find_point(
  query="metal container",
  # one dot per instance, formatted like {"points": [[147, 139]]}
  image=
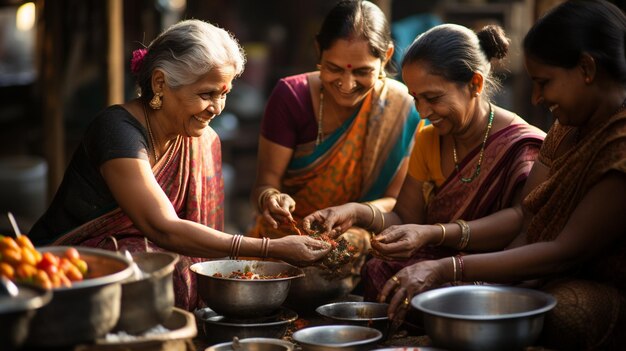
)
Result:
{"points": [[254, 344], [244, 298], [148, 301], [317, 288], [483, 318], [366, 314], [337, 338], [16, 313], [89, 308], [218, 329]]}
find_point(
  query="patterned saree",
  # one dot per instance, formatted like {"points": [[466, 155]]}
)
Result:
{"points": [[508, 158], [190, 174]]}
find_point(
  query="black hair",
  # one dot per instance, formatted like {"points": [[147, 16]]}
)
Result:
{"points": [[356, 19], [595, 27], [456, 53]]}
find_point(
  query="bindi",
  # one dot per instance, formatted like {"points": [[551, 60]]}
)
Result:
{"points": [[349, 65]]}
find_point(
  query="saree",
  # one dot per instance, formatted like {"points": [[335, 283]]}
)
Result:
{"points": [[355, 163], [508, 157], [190, 175], [591, 306]]}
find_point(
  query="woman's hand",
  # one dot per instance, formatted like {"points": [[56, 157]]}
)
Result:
{"points": [[301, 250], [277, 208], [333, 221], [401, 241], [409, 282]]}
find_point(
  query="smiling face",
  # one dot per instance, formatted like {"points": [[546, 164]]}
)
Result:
{"points": [[191, 107], [448, 105], [349, 71], [558, 89]]}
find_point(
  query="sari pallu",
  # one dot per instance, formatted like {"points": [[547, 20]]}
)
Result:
{"points": [[508, 157], [190, 174], [355, 163], [579, 317]]}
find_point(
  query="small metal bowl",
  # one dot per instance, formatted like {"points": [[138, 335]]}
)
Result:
{"points": [[337, 338], [254, 344], [366, 314], [472, 317], [217, 328], [244, 298], [16, 313]]}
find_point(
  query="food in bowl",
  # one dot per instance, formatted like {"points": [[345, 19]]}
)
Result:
{"points": [[249, 274], [244, 298], [22, 263], [474, 317]]}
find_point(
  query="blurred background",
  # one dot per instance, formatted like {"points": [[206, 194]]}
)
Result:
{"points": [[62, 61]]}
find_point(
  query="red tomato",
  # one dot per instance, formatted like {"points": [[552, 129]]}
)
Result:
{"points": [[72, 253], [48, 260]]}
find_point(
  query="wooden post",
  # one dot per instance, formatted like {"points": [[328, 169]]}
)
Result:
{"points": [[115, 55]]}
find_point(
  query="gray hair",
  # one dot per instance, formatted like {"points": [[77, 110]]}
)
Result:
{"points": [[186, 51]]}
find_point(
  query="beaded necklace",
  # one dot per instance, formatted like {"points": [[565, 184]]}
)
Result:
{"points": [[153, 144], [320, 134], [480, 156]]}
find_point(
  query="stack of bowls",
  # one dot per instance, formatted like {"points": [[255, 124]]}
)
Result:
{"points": [[337, 338], [365, 314], [244, 307]]}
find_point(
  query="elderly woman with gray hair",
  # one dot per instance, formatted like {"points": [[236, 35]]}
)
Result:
{"points": [[151, 168]]}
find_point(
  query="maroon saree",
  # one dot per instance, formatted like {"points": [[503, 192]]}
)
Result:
{"points": [[190, 174]]}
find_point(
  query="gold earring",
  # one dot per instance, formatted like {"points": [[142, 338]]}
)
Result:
{"points": [[156, 101], [382, 75]]}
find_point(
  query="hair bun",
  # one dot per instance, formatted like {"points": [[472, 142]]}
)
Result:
{"points": [[493, 41]]}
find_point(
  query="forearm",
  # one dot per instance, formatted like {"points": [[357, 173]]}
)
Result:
{"points": [[372, 215], [490, 233]]}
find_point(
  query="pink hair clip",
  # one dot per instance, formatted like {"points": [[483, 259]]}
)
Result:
{"points": [[137, 60]]}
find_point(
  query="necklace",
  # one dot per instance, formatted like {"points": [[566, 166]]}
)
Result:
{"points": [[153, 144], [480, 156], [320, 134]]}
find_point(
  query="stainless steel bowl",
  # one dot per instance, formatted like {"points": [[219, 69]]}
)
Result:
{"points": [[317, 288], [16, 314], [244, 298], [366, 314], [337, 338], [149, 300], [89, 308], [217, 328], [483, 318], [254, 344]]}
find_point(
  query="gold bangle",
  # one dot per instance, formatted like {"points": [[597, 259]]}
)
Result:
{"points": [[373, 214], [443, 234], [465, 234], [454, 269], [382, 219]]}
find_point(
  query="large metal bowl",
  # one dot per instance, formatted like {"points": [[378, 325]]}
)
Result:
{"points": [[149, 300], [483, 318], [337, 338], [89, 308], [16, 313], [254, 344], [244, 298], [317, 288], [366, 314], [217, 328]]}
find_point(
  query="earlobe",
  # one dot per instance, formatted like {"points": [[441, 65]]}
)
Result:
{"points": [[588, 67]]}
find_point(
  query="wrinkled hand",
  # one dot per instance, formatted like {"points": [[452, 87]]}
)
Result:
{"points": [[407, 283], [333, 221], [277, 208], [399, 241], [301, 250]]}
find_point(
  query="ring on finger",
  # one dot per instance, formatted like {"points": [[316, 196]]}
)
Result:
{"points": [[406, 301], [395, 279]]}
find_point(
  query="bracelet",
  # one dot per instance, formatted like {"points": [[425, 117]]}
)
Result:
{"points": [[443, 234], [465, 234], [235, 245], [373, 214], [265, 247], [454, 269], [263, 195], [461, 266], [382, 218]]}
